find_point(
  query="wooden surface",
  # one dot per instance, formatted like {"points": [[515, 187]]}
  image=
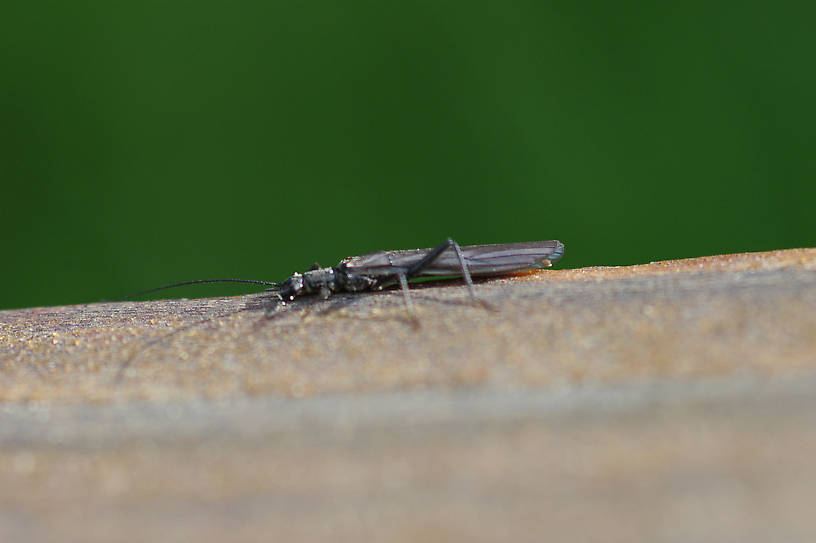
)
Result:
{"points": [[662, 402]]}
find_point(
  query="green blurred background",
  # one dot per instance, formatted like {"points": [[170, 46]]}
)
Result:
{"points": [[151, 142]]}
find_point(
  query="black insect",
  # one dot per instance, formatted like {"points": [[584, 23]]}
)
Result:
{"points": [[375, 271]]}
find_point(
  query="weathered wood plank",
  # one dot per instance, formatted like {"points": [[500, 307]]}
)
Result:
{"points": [[669, 401]]}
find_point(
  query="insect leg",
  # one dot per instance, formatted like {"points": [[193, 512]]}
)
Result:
{"points": [[417, 268], [273, 305], [409, 303]]}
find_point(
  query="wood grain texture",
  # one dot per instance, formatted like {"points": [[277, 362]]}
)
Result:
{"points": [[667, 401]]}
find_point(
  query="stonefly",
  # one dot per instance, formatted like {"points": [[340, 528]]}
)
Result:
{"points": [[377, 270]]}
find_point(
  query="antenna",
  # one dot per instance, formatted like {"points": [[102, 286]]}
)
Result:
{"points": [[197, 281]]}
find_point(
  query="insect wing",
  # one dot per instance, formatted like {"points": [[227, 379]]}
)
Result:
{"points": [[481, 260], [499, 259], [385, 262]]}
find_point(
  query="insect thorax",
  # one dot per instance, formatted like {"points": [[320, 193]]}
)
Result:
{"points": [[320, 281], [352, 281]]}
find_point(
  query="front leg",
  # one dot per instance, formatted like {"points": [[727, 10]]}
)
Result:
{"points": [[273, 305]]}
